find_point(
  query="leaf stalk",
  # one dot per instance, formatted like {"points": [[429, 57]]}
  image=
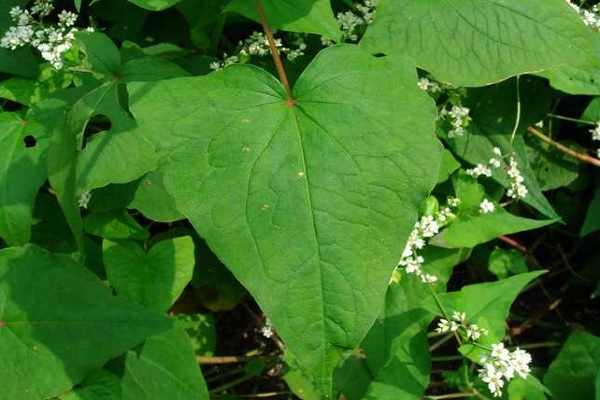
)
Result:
{"points": [[274, 53]]}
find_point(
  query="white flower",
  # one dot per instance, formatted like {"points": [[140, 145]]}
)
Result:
{"points": [[84, 199], [499, 352], [494, 381], [595, 131], [267, 329], [459, 317], [486, 206], [479, 170]]}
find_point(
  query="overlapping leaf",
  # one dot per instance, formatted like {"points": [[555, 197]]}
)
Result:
{"points": [[155, 279], [164, 368], [58, 323], [312, 16], [475, 43], [22, 172], [306, 200]]}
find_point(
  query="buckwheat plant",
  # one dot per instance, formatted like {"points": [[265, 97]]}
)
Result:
{"points": [[353, 23], [258, 45], [517, 187], [51, 40], [426, 227], [498, 364], [452, 115]]}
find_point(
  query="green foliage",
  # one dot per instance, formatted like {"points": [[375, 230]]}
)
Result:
{"points": [[313, 220], [573, 373], [61, 322]]}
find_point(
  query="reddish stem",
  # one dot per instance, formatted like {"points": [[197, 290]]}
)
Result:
{"points": [[274, 53], [513, 243]]}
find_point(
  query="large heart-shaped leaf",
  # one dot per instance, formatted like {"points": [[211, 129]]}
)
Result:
{"points": [[307, 200], [475, 42], [58, 323]]}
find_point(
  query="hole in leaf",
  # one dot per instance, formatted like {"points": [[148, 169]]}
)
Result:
{"points": [[98, 123], [29, 141]]}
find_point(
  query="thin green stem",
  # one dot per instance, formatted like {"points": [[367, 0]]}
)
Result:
{"points": [[581, 121], [518, 116]]}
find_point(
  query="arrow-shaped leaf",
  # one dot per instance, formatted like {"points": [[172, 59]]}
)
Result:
{"points": [[306, 201]]}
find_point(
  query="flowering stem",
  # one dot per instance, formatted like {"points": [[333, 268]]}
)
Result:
{"points": [[580, 156], [274, 53]]}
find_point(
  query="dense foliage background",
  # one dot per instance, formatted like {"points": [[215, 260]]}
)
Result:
{"points": [[313, 199]]}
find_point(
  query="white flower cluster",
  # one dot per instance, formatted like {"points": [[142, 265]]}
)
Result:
{"points": [[517, 188], [486, 207], [589, 16], [52, 41], [431, 87], [458, 323], [257, 45], [84, 199], [500, 364], [350, 22], [458, 117], [503, 365], [425, 228]]}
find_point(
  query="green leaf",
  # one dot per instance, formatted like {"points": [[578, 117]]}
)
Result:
{"points": [[99, 385], [527, 389], [152, 199], [577, 80], [552, 168], [117, 224], [155, 279], [471, 229], [474, 43], [120, 154], [493, 110], [59, 323], [145, 69], [396, 347], [486, 304], [101, 54], [503, 263], [22, 172], [164, 368], [18, 89], [572, 375], [448, 166], [155, 5], [256, 173], [310, 16]]}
